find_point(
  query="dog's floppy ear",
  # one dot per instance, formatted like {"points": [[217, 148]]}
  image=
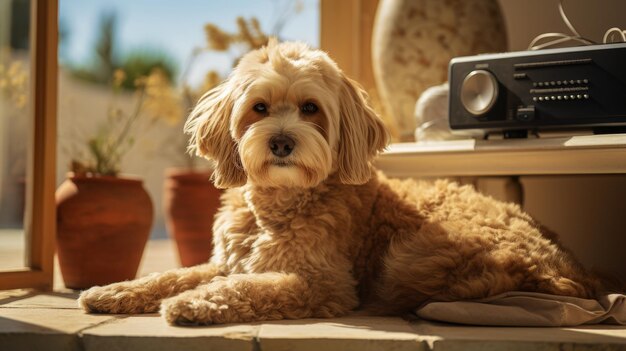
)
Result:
{"points": [[362, 134], [208, 124]]}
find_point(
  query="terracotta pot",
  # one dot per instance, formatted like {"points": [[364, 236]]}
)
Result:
{"points": [[103, 224], [190, 202]]}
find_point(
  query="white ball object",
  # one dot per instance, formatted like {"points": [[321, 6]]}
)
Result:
{"points": [[431, 117]]}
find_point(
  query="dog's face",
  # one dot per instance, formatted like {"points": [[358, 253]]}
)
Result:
{"points": [[286, 117]]}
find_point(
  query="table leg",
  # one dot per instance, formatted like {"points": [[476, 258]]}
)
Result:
{"points": [[508, 188]]}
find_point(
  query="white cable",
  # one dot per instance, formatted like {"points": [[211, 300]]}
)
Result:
{"points": [[607, 35], [560, 37], [566, 20]]}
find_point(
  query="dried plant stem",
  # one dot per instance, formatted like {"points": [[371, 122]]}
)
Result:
{"points": [[129, 123]]}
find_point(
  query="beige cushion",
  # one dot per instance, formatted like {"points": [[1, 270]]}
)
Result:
{"points": [[518, 308]]}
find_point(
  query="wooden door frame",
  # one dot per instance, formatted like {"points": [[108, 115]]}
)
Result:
{"points": [[346, 34], [346, 28], [40, 216]]}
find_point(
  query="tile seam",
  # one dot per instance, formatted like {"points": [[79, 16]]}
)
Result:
{"points": [[80, 332]]}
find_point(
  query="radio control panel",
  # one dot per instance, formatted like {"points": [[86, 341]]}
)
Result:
{"points": [[546, 89]]}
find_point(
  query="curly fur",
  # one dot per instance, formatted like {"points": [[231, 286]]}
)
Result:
{"points": [[322, 233]]}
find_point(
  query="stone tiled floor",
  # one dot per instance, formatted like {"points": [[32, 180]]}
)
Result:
{"points": [[52, 321]]}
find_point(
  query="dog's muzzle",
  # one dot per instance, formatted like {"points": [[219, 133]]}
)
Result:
{"points": [[281, 145]]}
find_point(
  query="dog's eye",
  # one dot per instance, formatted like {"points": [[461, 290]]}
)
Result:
{"points": [[260, 108], [309, 108]]}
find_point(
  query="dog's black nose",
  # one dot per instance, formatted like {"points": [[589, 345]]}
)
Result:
{"points": [[281, 145]]}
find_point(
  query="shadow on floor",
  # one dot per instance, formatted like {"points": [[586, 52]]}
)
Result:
{"points": [[32, 293]]}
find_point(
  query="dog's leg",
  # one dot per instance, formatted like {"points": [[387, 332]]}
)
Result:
{"points": [[144, 295], [256, 297], [446, 261]]}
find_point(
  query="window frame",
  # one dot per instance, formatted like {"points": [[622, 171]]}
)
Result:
{"points": [[346, 34], [40, 216], [346, 29]]}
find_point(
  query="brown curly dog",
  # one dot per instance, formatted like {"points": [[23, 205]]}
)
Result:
{"points": [[307, 228]]}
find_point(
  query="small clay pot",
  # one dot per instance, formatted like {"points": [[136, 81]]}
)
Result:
{"points": [[190, 202], [103, 224]]}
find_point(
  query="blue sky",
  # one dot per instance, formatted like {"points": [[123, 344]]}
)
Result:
{"points": [[176, 26]]}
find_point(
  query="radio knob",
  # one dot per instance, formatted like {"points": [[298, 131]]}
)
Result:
{"points": [[479, 92]]}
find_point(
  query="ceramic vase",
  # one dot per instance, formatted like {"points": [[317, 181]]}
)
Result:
{"points": [[414, 40], [103, 224], [190, 202]]}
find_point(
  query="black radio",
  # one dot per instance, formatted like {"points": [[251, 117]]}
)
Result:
{"points": [[580, 87]]}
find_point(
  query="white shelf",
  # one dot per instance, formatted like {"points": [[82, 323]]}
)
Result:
{"points": [[592, 154]]}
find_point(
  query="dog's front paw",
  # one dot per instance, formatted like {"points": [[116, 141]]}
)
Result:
{"points": [[123, 297], [204, 308], [193, 310]]}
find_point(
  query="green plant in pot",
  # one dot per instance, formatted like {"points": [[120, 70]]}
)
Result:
{"points": [[104, 218]]}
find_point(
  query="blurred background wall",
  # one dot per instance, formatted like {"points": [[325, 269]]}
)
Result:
{"points": [[528, 18]]}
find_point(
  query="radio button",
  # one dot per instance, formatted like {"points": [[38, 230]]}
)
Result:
{"points": [[479, 92], [525, 114]]}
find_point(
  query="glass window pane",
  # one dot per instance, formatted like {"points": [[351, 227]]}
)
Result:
{"points": [[15, 130]]}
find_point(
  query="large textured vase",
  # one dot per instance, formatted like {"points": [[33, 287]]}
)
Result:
{"points": [[103, 224], [190, 202], [414, 40]]}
